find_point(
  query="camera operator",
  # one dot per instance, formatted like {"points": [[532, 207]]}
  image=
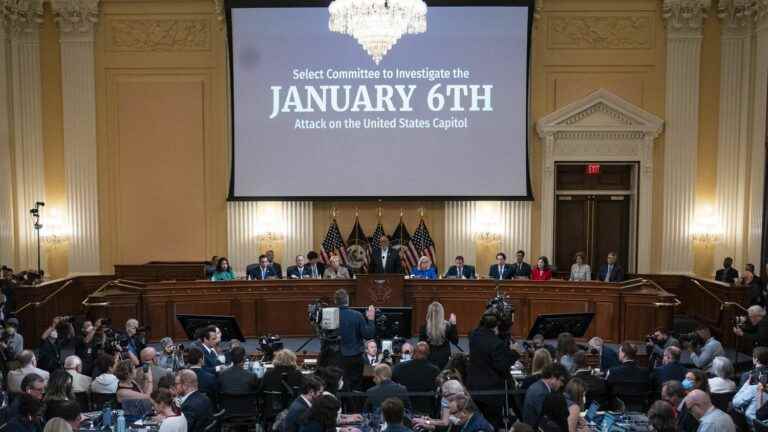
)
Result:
{"points": [[132, 342], [748, 397], [171, 356], [489, 366], [354, 329], [85, 345], [710, 347], [756, 328], [656, 343], [50, 347], [12, 342]]}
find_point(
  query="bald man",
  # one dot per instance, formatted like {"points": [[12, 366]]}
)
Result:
{"points": [[418, 375], [196, 406], [711, 419], [148, 357]]}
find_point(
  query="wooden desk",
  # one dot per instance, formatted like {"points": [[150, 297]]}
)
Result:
{"points": [[623, 311]]}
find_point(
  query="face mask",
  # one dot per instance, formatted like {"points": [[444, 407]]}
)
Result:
{"points": [[10, 330], [405, 357], [53, 335], [687, 384], [341, 384], [454, 420]]}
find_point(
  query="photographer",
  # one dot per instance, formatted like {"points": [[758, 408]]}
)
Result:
{"points": [[353, 330], [12, 342], [50, 347], [489, 365], [710, 347], [170, 355], [747, 399], [656, 343], [85, 345], [132, 343], [756, 328]]}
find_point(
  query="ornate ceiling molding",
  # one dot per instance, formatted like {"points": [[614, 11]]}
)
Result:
{"points": [[21, 15], [685, 15], [76, 15]]}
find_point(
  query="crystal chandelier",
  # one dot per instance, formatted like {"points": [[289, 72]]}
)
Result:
{"points": [[378, 24]]}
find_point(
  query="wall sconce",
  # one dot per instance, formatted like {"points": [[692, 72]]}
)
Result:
{"points": [[486, 224], [706, 229], [56, 231], [269, 224]]}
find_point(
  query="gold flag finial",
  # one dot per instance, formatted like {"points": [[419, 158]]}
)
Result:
{"points": [[333, 212], [357, 212], [402, 212], [421, 212], [379, 213]]}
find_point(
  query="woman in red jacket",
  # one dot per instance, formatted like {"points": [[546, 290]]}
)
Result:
{"points": [[542, 271]]}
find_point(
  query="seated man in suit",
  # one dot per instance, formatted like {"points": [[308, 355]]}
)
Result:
{"points": [[727, 274], [298, 271], [671, 369], [385, 388], [206, 381], [312, 389], [316, 268], [272, 263], [236, 380], [609, 358], [596, 388], [461, 271], [418, 375], [262, 270], [500, 270], [629, 372], [207, 339], [196, 406], [611, 271], [520, 268], [385, 259], [553, 378]]}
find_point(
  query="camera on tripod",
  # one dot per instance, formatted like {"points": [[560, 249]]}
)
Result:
{"points": [[269, 345], [502, 308], [323, 318]]}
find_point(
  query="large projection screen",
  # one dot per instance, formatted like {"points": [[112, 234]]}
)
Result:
{"points": [[443, 116]]}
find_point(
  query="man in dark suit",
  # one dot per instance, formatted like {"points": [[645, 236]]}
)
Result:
{"points": [[609, 358], [461, 271], [520, 268], [596, 388], [385, 259], [385, 388], [500, 270], [236, 380], [316, 268], [196, 406], [418, 375], [755, 329], [208, 338], [611, 271], [727, 274], [262, 270], [629, 372], [671, 369], [489, 365], [272, 263], [354, 328], [298, 271], [206, 381], [553, 378], [673, 393], [311, 389]]}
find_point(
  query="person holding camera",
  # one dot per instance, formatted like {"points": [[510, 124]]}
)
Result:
{"points": [[755, 329], [12, 342], [132, 343], [50, 347], [489, 365], [710, 348], [170, 357], [353, 330], [749, 397], [656, 343]]}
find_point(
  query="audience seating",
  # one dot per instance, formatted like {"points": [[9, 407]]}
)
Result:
{"points": [[722, 400], [634, 395]]}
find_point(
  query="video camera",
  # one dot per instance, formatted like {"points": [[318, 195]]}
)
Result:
{"points": [[270, 344], [691, 339], [502, 308], [759, 376]]}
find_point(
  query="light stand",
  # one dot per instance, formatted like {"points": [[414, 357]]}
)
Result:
{"points": [[35, 212]]}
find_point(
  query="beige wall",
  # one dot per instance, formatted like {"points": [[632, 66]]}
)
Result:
{"points": [[162, 115]]}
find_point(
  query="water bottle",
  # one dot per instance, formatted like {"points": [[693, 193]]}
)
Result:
{"points": [[106, 416], [120, 422]]}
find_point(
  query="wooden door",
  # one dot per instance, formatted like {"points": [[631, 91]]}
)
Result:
{"points": [[571, 229], [611, 229]]}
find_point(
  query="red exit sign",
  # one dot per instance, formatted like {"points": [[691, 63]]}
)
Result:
{"points": [[593, 169]]}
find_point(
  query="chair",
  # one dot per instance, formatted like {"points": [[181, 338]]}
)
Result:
{"points": [[633, 394], [274, 403], [215, 423], [722, 400], [99, 400], [84, 401], [239, 404]]}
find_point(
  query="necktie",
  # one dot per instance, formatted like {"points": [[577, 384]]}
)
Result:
{"points": [[263, 274], [314, 271], [501, 272], [608, 273], [459, 272]]}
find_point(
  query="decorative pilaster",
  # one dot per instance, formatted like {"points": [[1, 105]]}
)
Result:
{"points": [[459, 235], [733, 136], [76, 20], [241, 234], [758, 10], [7, 251], [23, 18], [684, 22], [298, 220]]}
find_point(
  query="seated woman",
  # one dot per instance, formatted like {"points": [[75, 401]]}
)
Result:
{"points": [[168, 414], [575, 397], [223, 271], [58, 391], [580, 271], [542, 271], [424, 270], [566, 348], [541, 359], [723, 370], [285, 370], [448, 390], [105, 381], [134, 399], [335, 270]]}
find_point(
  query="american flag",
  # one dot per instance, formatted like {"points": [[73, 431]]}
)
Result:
{"points": [[358, 237], [400, 241], [334, 244], [421, 243], [378, 233]]}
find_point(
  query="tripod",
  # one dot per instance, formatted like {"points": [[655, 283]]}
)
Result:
{"points": [[35, 212]]}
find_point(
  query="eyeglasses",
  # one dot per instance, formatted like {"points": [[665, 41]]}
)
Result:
{"points": [[406, 352]]}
